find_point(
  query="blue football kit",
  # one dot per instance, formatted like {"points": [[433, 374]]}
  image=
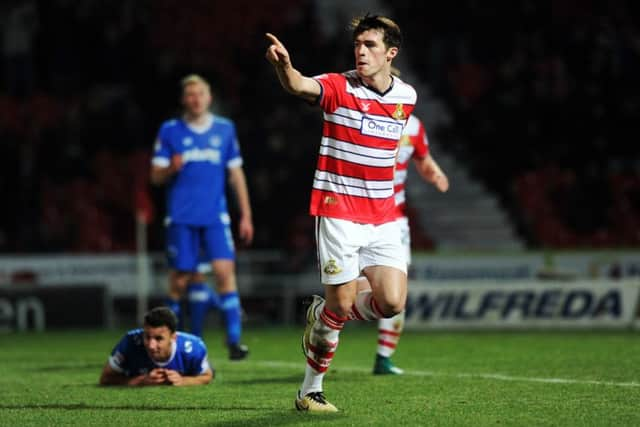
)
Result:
{"points": [[197, 215], [198, 223], [188, 355]]}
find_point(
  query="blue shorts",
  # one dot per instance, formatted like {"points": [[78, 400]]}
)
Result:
{"points": [[188, 245]]}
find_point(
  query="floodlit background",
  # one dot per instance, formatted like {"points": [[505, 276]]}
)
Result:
{"points": [[523, 294], [531, 108]]}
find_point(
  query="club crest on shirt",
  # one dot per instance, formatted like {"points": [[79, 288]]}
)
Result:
{"points": [[365, 106], [330, 200], [399, 113], [187, 141], [215, 141], [331, 267]]}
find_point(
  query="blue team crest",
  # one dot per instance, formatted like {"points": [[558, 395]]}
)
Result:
{"points": [[188, 347], [215, 141], [187, 141]]}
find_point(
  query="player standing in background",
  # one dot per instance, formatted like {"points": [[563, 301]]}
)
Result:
{"points": [[352, 198], [412, 145], [193, 155], [158, 354]]}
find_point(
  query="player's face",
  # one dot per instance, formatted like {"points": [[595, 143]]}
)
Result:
{"points": [[196, 99], [158, 342], [371, 54]]}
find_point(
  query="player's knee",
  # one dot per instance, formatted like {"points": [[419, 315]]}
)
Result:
{"points": [[179, 280], [390, 308], [225, 282]]}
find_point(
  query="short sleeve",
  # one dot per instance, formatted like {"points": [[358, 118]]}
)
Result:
{"points": [[330, 85], [118, 359], [233, 156], [205, 365], [161, 149], [420, 143], [199, 363]]}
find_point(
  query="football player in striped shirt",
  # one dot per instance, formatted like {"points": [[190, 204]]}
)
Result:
{"points": [[413, 145], [352, 198]]}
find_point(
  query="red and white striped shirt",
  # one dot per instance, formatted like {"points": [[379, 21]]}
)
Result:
{"points": [[361, 129], [413, 145]]}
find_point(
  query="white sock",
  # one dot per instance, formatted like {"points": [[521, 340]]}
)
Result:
{"points": [[389, 331], [312, 381], [323, 342], [365, 307]]}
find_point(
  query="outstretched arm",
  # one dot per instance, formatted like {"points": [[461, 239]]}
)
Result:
{"points": [[290, 78], [238, 183], [431, 172]]}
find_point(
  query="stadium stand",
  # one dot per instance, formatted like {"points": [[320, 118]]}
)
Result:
{"points": [[544, 112], [545, 107]]}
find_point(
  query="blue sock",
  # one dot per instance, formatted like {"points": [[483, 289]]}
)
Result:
{"points": [[200, 298], [174, 305], [230, 306]]}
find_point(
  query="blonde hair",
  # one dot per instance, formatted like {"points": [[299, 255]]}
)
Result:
{"points": [[194, 79]]}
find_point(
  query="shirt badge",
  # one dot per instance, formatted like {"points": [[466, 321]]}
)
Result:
{"points": [[399, 113], [331, 267]]}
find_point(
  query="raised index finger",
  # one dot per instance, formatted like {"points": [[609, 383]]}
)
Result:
{"points": [[273, 39]]}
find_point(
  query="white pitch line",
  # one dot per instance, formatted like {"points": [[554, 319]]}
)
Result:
{"points": [[499, 377]]}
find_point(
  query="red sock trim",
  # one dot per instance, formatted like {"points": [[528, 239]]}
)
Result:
{"points": [[316, 366], [356, 313], [325, 355], [387, 343], [388, 332], [333, 316], [330, 322]]}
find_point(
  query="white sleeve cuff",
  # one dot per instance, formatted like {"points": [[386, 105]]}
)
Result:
{"points": [[162, 162], [114, 365], [234, 163]]}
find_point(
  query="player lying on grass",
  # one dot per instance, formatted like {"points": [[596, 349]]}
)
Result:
{"points": [[157, 354]]}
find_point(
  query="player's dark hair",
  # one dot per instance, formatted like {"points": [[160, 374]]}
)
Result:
{"points": [[392, 37], [161, 316]]}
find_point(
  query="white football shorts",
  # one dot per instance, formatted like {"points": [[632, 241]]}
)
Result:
{"points": [[345, 248]]}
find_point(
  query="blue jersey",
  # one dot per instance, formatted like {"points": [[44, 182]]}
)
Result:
{"points": [[196, 194], [188, 355]]}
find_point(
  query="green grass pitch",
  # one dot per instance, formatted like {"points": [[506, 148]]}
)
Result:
{"points": [[452, 379]]}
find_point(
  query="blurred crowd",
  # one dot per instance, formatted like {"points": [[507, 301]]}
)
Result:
{"points": [[544, 97]]}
